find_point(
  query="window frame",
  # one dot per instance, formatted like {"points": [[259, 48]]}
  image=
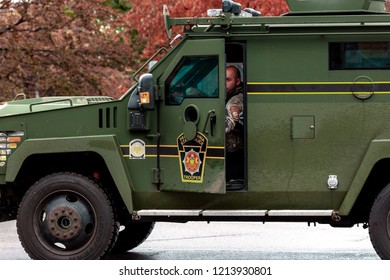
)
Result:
{"points": [[190, 79]]}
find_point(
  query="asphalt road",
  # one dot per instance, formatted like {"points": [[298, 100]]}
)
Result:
{"points": [[232, 241]]}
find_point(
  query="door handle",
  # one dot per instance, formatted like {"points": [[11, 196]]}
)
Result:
{"points": [[213, 121], [212, 118]]}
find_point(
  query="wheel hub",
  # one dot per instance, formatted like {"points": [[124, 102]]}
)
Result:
{"points": [[64, 223]]}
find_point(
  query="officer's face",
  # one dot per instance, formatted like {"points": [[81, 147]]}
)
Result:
{"points": [[231, 79]]}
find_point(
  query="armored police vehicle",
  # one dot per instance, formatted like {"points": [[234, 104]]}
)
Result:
{"points": [[86, 176]]}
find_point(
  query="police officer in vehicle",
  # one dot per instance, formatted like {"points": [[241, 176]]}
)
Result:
{"points": [[234, 127]]}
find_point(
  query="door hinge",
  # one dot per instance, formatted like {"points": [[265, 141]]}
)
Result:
{"points": [[157, 176]]}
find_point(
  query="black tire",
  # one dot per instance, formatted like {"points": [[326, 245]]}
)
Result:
{"points": [[66, 216], [131, 235], [379, 224]]}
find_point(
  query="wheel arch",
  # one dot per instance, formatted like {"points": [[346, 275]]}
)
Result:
{"points": [[371, 177], [98, 157], [377, 180]]}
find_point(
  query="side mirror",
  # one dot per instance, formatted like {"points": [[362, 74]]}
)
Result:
{"points": [[142, 97], [167, 22]]}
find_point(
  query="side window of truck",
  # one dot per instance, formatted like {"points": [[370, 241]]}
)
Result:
{"points": [[359, 55], [193, 77]]}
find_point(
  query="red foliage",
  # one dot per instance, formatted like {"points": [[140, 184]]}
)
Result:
{"points": [[73, 47], [146, 15], [62, 47]]}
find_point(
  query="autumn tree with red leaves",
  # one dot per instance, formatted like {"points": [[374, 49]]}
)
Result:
{"points": [[64, 47], [146, 15], [80, 47], [89, 47]]}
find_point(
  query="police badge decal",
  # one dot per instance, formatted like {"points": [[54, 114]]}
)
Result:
{"points": [[137, 149], [192, 157]]}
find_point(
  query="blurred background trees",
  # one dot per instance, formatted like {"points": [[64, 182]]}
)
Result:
{"points": [[59, 47], [88, 47], [147, 15]]}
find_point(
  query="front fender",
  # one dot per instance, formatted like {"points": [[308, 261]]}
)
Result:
{"points": [[106, 146], [378, 150]]}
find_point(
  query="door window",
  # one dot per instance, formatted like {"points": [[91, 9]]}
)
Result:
{"points": [[193, 77]]}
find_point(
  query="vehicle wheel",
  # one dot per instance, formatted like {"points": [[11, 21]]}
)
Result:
{"points": [[66, 216], [131, 235], [379, 224]]}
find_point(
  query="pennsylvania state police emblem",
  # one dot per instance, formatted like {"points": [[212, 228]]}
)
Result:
{"points": [[137, 149], [192, 157]]}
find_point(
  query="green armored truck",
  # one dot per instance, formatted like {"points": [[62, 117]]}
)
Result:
{"points": [[86, 176]]}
